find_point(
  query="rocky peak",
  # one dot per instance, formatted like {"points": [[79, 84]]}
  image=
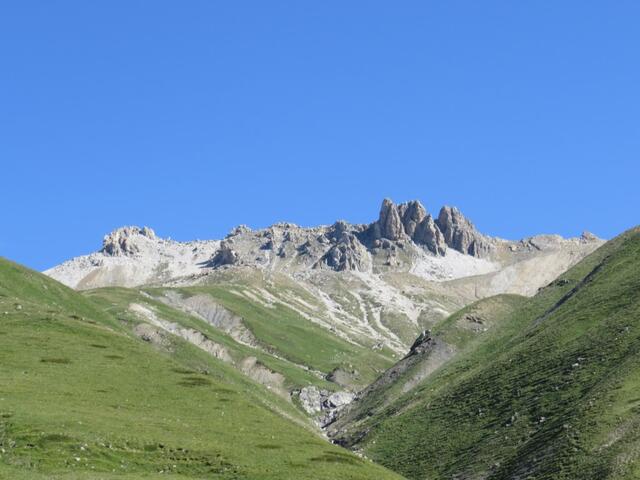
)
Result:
{"points": [[239, 230], [338, 230], [126, 240], [588, 237], [389, 222], [412, 214], [346, 253], [428, 233], [408, 219], [460, 234]]}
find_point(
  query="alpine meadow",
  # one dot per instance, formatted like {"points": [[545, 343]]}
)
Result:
{"points": [[356, 240]]}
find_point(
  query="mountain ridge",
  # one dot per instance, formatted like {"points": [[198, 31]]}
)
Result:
{"points": [[374, 284], [341, 246]]}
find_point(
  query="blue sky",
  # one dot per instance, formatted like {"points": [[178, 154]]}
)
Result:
{"points": [[193, 117]]}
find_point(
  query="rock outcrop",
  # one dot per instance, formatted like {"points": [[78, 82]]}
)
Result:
{"points": [[324, 405], [346, 252], [390, 224], [412, 214], [422, 343], [460, 234], [126, 240], [428, 234], [225, 255], [407, 220]]}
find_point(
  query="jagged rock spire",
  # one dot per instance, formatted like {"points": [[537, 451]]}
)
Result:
{"points": [[412, 213], [460, 234], [410, 220], [427, 233], [343, 246], [389, 222]]}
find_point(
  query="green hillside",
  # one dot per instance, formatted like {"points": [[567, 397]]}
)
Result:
{"points": [[118, 301], [288, 334], [82, 398], [457, 335], [475, 323], [553, 393]]}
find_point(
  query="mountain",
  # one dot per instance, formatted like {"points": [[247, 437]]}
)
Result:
{"points": [[315, 312], [378, 284], [549, 392], [415, 340], [83, 396]]}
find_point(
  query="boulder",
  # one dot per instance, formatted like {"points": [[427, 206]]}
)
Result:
{"points": [[312, 399], [339, 399], [322, 404]]}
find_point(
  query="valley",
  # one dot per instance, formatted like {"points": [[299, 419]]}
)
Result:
{"points": [[414, 342]]}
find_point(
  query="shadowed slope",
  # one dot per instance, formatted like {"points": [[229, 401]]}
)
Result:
{"points": [[455, 336], [552, 395]]}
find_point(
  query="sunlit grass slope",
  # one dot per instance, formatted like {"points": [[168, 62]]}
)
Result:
{"points": [[118, 300], [288, 334], [80, 398], [554, 394]]}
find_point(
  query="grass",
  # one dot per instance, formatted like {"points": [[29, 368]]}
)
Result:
{"points": [[117, 301], [552, 394], [80, 398], [288, 334], [460, 339], [473, 323]]}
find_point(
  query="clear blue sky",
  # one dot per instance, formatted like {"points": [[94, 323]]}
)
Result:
{"points": [[194, 116]]}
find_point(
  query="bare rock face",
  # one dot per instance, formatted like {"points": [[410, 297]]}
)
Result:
{"points": [[412, 214], [348, 247], [312, 398], [404, 239], [225, 255], [427, 233], [322, 403], [389, 222], [347, 253], [409, 219], [460, 234], [239, 230], [422, 344], [126, 241], [588, 237]]}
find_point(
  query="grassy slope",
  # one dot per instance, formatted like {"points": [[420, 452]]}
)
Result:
{"points": [[457, 330], [553, 395], [80, 398], [117, 301], [288, 334], [454, 331]]}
